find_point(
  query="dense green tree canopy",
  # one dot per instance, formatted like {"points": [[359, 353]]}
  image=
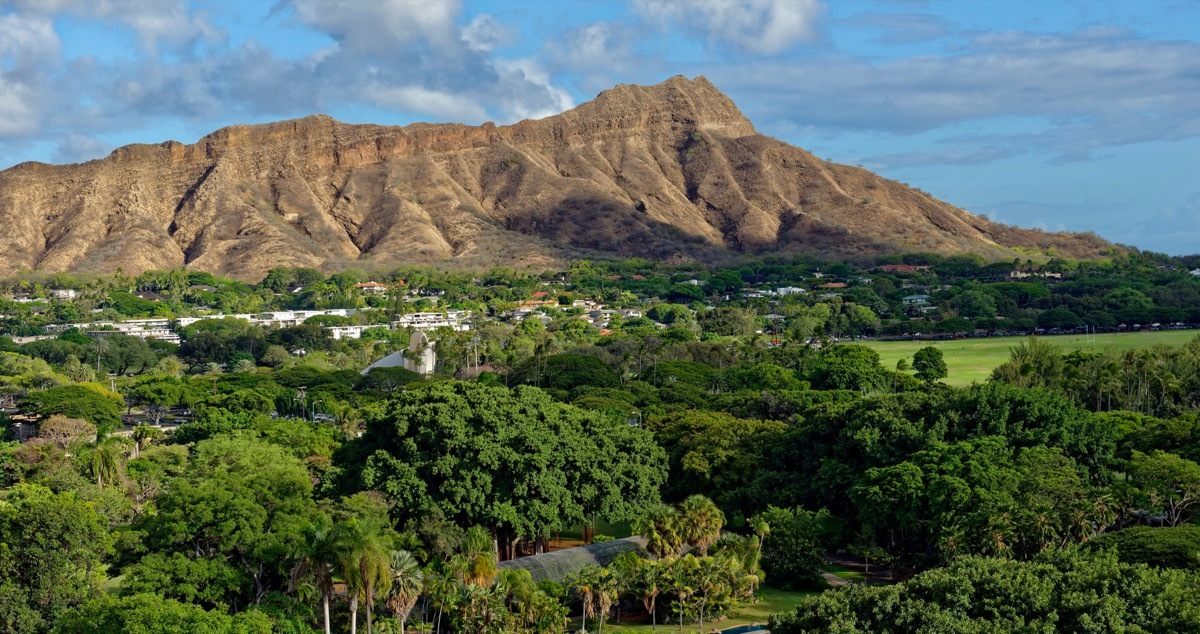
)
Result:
{"points": [[513, 460], [53, 546], [1062, 592], [92, 403]]}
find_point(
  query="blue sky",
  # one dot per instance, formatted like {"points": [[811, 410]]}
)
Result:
{"points": [[1068, 114]]}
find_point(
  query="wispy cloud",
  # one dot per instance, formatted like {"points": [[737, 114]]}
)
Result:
{"points": [[765, 27]]}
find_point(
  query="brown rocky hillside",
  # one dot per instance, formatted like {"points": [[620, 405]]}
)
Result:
{"points": [[667, 171]]}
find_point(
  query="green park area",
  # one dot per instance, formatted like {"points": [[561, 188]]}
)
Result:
{"points": [[972, 360], [770, 601]]}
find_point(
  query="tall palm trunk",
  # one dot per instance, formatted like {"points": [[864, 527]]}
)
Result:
{"points": [[354, 613], [325, 602]]}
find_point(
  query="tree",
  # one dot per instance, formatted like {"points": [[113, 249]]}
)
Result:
{"points": [[63, 431], [796, 553], [143, 435], [1062, 591], [317, 561], [649, 581], [363, 563], [1168, 484], [107, 460], [94, 404], [54, 545], [241, 502], [157, 394], [584, 584], [524, 465], [124, 354], [701, 522], [929, 364], [406, 585], [849, 367], [1033, 363], [660, 525], [149, 614], [680, 576], [1177, 547]]}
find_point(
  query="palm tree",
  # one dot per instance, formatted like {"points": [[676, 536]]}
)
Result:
{"points": [[711, 572], [478, 558], [363, 565], [244, 365], [517, 590], [681, 582], [318, 562], [584, 583], [441, 586], [660, 526], [606, 593], [107, 460], [143, 435], [406, 586], [650, 576], [701, 522], [214, 372]]}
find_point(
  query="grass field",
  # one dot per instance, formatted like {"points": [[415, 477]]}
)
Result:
{"points": [[972, 360], [771, 602]]}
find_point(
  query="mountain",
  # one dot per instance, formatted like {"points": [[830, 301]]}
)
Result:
{"points": [[672, 171]]}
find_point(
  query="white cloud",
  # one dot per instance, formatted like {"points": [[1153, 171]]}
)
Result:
{"points": [[18, 115], [526, 71], [154, 21], [1080, 92], [766, 27], [28, 40], [442, 105], [76, 148], [381, 26], [485, 33]]}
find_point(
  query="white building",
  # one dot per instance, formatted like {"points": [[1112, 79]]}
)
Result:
{"points": [[348, 332], [420, 357], [453, 319]]}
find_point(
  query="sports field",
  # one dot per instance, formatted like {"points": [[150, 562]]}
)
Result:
{"points": [[971, 360]]}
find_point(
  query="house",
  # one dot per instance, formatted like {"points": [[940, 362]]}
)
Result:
{"points": [[148, 295], [1032, 271], [1195, 272], [901, 268], [63, 293], [833, 285], [916, 300], [372, 288], [541, 295], [790, 290]]}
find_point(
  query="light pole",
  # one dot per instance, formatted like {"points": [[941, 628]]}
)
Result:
{"points": [[314, 408]]}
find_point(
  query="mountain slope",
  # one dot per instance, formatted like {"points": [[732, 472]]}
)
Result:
{"points": [[672, 170]]}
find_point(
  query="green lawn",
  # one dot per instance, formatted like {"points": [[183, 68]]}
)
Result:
{"points": [[853, 576], [771, 602], [972, 360]]}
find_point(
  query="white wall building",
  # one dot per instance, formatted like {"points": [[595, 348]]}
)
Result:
{"points": [[453, 319]]}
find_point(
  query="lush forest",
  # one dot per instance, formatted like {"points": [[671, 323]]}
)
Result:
{"points": [[257, 480]]}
